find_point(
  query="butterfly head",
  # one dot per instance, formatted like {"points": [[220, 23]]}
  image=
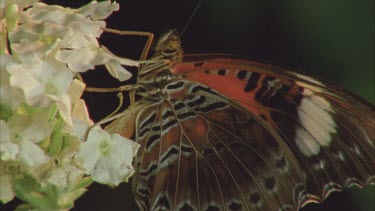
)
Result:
{"points": [[169, 45], [168, 52]]}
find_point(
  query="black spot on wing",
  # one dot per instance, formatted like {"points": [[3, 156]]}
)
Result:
{"points": [[235, 206], [186, 207], [270, 183], [281, 162], [222, 72], [254, 198], [262, 97], [241, 74], [252, 82]]}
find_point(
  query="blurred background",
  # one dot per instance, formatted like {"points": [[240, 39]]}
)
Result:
{"points": [[329, 39]]}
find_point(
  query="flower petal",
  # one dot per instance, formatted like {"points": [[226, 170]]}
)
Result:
{"points": [[8, 149], [99, 10], [31, 154], [6, 189]]}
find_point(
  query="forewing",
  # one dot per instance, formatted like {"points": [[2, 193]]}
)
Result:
{"points": [[330, 131]]}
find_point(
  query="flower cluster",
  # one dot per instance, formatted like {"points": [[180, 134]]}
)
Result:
{"points": [[44, 150]]}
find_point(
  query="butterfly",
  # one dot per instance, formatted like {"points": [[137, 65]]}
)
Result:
{"points": [[224, 133]]}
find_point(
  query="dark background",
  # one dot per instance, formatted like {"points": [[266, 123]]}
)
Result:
{"points": [[330, 39]]}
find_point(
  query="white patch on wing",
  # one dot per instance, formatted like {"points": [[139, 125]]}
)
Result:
{"points": [[315, 116], [306, 143]]}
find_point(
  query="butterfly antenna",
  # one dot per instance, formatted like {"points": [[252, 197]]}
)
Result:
{"points": [[191, 17]]}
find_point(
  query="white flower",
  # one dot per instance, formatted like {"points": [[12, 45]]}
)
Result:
{"points": [[62, 169], [113, 64], [9, 95], [43, 13], [6, 190], [44, 83], [38, 39], [70, 35], [82, 59], [108, 157], [19, 138], [8, 172], [79, 59], [9, 149], [98, 10]]}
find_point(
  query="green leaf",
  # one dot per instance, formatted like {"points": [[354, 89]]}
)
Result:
{"points": [[56, 141], [29, 190], [5, 112]]}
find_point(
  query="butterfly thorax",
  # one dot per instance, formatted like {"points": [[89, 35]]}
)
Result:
{"points": [[154, 77]]}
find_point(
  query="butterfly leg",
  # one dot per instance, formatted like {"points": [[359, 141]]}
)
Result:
{"points": [[150, 38]]}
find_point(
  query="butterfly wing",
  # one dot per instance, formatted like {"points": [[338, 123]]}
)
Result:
{"points": [[268, 139], [200, 151], [330, 131]]}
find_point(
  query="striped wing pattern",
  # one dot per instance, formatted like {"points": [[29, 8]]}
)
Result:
{"points": [[202, 152], [219, 133]]}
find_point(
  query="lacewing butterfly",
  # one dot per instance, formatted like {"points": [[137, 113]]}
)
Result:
{"points": [[223, 133], [220, 132]]}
